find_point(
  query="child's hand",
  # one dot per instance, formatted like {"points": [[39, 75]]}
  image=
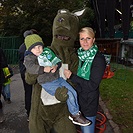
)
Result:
{"points": [[53, 69], [47, 69]]}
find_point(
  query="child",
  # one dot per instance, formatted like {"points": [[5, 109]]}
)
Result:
{"points": [[8, 73], [50, 64]]}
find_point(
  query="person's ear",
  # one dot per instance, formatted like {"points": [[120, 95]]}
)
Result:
{"points": [[93, 40]]}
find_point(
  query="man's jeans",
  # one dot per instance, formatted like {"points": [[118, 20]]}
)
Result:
{"points": [[90, 128]]}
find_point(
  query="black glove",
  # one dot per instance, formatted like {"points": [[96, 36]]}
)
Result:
{"points": [[61, 94]]}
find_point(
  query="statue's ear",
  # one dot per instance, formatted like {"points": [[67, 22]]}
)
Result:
{"points": [[80, 13]]}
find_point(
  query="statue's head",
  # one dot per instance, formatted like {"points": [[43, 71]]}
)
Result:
{"points": [[66, 27]]}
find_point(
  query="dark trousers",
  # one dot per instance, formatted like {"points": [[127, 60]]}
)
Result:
{"points": [[28, 94]]}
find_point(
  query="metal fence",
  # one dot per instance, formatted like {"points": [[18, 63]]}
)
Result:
{"points": [[11, 55], [10, 46]]}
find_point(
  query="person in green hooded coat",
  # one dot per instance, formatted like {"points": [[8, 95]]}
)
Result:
{"points": [[46, 113]]}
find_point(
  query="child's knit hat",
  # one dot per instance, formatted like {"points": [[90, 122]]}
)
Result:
{"points": [[32, 41]]}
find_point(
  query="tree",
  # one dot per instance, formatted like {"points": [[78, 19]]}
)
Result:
{"points": [[20, 15]]}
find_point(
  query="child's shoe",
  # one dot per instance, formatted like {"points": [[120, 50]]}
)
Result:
{"points": [[78, 119], [8, 100]]}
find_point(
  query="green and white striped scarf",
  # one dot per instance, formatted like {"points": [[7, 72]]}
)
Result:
{"points": [[87, 58], [48, 58]]}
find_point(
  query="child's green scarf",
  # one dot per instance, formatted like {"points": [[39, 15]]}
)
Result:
{"points": [[48, 58]]}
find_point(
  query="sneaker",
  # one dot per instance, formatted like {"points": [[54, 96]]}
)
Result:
{"points": [[2, 118], [78, 119], [27, 119], [8, 101]]}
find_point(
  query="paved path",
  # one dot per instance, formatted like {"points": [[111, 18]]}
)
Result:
{"points": [[15, 113]]}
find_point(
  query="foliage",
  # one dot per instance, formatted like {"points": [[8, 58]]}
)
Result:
{"points": [[118, 97], [20, 15]]}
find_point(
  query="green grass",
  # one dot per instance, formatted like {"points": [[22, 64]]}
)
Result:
{"points": [[117, 93]]}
